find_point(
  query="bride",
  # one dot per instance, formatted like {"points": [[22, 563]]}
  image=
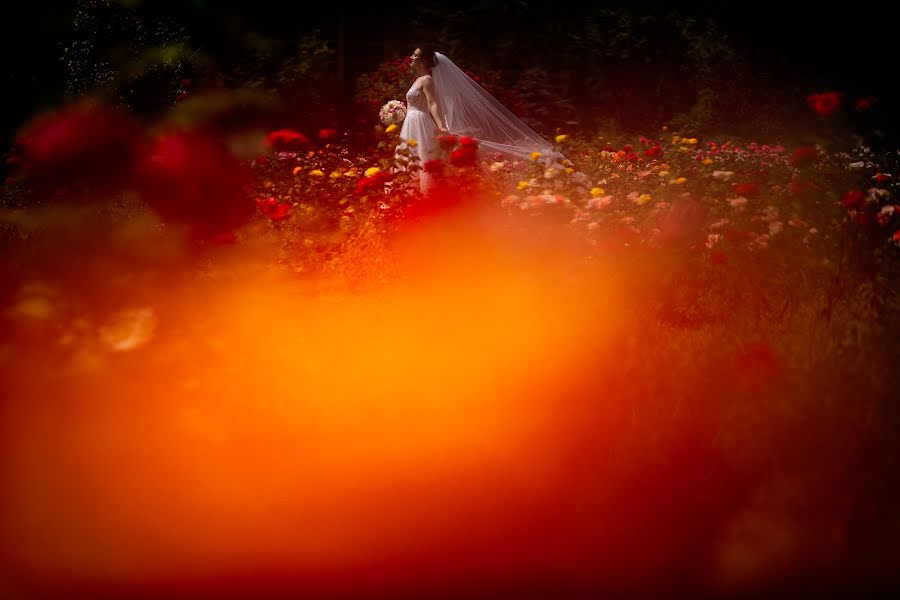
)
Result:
{"points": [[443, 99]]}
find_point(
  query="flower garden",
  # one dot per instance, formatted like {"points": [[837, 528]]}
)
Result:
{"points": [[670, 360]]}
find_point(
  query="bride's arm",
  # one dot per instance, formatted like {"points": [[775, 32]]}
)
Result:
{"points": [[433, 106]]}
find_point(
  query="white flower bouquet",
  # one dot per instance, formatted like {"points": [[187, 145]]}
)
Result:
{"points": [[393, 112]]}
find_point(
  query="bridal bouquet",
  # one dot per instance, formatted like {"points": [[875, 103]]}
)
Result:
{"points": [[393, 112]]}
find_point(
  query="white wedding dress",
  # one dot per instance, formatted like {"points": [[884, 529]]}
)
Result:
{"points": [[419, 126], [468, 110]]}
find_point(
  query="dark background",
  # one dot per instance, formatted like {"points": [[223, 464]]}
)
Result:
{"points": [[782, 51]]}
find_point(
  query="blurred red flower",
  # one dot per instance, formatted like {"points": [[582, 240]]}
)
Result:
{"points": [[86, 143], [802, 156], [191, 179], [434, 167], [328, 135], [287, 139], [654, 152], [825, 103], [852, 199], [372, 182], [866, 103], [746, 189], [464, 156]]}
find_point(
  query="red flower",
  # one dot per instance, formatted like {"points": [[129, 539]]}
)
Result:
{"points": [[447, 141], [896, 236], [88, 143], [266, 204], [802, 156], [372, 182], [464, 156], [287, 139], [465, 140], [881, 178], [654, 152], [328, 135], [864, 103], [852, 199], [746, 189], [193, 179], [279, 212], [825, 103], [609, 148], [434, 167], [186, 82]]}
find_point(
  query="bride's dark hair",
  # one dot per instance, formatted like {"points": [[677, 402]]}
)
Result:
{"points": [[427, 55]]}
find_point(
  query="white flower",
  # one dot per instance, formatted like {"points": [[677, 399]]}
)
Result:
{"points": [[775, 227], [857, 165], [723, 175], [738, 202], [712, 239], [392, 112]]}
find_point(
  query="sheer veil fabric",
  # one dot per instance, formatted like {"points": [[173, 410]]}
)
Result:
{"points": [[470, 110]]}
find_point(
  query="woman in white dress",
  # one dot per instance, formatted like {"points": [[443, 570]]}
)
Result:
{"points": [[424, 119], [443, 99]]}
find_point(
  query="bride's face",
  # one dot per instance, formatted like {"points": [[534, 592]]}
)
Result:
{"points": [[416, 58]]}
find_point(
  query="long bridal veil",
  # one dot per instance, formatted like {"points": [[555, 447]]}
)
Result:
{"points": [[471, 111]]}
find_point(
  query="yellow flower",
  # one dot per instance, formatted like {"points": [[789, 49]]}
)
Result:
{"points": [[316, 173], [643, 199], [536, 155], [372, 170], [680, 180], [335, 174], [412, 143], [297, 170], [691, 141], [391, 128], [707, 161], [597, 191], [663, 173], [569, 171], [561, 138], [522, 185], [675, 139]]}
